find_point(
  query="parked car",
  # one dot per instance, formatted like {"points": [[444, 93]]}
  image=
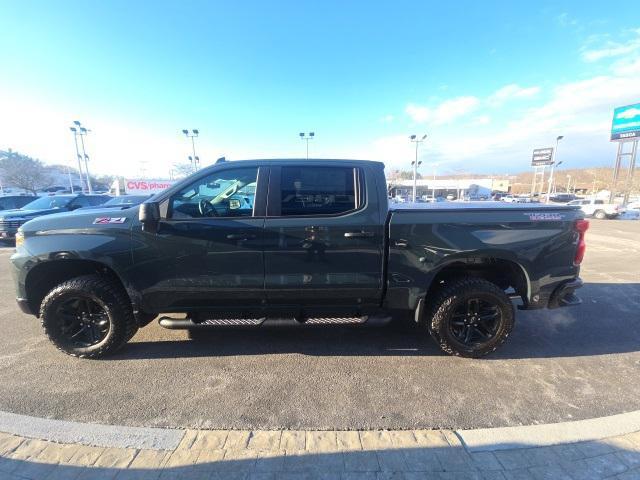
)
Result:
{"points": [[634, 206], [10, 202], [11, 220], [320, 245], [598, 208], [121, 202], [513, 199], [562, 197]]}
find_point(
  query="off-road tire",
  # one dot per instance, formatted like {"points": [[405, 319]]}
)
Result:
{"points": [[600, 214], [448, 297], [105, 292]]}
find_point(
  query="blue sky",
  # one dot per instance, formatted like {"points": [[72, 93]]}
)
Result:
{"points": [[487, 81]]}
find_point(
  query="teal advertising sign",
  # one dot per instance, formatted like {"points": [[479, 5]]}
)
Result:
{"points": [[626, 122]]}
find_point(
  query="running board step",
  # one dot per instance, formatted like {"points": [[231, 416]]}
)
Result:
{"points": [[186, 323]]}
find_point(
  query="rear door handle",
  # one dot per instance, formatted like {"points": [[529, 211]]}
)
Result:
{"points": [[240, 236], [358, 234]]}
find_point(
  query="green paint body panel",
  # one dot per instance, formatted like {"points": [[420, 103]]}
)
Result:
{"points": [[266, 264]]}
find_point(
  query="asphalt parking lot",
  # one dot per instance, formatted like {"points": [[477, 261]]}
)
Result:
{"points": [[565, 364]]}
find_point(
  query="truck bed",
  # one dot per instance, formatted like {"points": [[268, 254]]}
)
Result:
{"points": [[535, 241]]}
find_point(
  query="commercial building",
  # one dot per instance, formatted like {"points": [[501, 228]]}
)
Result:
{"points": [[459, 188]]}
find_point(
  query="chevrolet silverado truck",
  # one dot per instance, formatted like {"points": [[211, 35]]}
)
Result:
{"points": [[300, 242]]}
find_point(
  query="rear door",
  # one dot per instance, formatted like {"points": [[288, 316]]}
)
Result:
{"points": [[323, 236]]}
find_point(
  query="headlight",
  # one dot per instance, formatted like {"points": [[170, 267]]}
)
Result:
{"points": [[19, 238]]}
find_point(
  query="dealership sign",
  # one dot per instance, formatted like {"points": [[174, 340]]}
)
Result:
{"points": [[626, 122], [542, 156], [144, 186]]}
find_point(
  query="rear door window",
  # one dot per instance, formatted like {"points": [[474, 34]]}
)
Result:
{"points": [[317, 190]]}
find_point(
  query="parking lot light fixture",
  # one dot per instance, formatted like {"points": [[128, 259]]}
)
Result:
{"points": [[78, 156], [82, 131], [194, 159], [415, 164], [306, 137], [553, 166]]}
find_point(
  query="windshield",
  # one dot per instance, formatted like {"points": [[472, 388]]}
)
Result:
{"points": [[48, 202]]}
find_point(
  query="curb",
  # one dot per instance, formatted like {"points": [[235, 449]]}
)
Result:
{"points": [[62, 431], [479, 440], [489, 439]]}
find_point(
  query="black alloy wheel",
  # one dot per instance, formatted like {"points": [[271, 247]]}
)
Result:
{"points": [[469, 316], [475, 322], [88, 316], [82, 322]]}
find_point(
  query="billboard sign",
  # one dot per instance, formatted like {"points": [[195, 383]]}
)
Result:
{"points": [[542, 157], [145, 186], [626, 123]]}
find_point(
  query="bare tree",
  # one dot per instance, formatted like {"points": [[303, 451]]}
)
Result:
{"points": [[22, 171], [183, 169]]}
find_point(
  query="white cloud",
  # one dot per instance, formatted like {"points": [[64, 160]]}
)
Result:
{"points": [[444, 113], [481, 120], [581, 111], [612, 49], [564, 20], [510, 92]]}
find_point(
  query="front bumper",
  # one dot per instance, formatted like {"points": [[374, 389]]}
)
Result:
{"points": [[23, 304], [564, 295]]}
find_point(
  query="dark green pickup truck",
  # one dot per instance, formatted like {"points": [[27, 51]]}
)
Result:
{"points": [[310, 242]]}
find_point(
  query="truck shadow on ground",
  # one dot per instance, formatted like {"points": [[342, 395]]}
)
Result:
{"points": [[607, 322]]}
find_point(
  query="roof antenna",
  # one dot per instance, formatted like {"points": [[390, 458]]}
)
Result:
{"points": [[221, 160]]}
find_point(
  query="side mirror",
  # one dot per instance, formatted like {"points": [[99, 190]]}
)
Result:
{"points": [[149, 216]]}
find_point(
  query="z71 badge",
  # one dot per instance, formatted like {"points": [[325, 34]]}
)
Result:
{"points": [[108, 220], [540, 217]]}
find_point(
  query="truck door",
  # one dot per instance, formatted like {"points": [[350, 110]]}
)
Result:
{"points": [[323, 236], [207, 252]]}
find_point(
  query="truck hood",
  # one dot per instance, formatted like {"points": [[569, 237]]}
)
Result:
{"points": [[81, 220]]}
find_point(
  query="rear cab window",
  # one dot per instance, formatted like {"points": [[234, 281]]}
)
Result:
{"points": [[317, 190]]}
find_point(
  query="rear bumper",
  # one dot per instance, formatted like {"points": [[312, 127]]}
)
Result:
{"points": [[564, 295]]}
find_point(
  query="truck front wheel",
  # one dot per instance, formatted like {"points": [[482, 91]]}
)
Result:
{"points": [[470, 317], [88, 316], [600, 214]]}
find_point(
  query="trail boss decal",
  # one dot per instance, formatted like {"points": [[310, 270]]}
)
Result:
{"points": [[108, 220], [541, 217]]}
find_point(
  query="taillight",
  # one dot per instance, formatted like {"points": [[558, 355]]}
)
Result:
{"points": [[581, 226]]}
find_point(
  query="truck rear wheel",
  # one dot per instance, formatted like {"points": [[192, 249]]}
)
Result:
{"points": [[470, 317], [600, 214], [88, 316]]}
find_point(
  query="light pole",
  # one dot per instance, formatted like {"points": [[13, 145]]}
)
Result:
{"points": [[553, 166], [307, 137], [415, 163], [78, 157], [568, 182], [81, 133], [192, 134]]}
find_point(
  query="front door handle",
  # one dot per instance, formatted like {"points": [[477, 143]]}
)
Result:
{"points": [[358, 234], [240, 236]]}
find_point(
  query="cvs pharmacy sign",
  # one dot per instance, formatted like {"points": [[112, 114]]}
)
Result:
{"points": [[142, 186]]}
